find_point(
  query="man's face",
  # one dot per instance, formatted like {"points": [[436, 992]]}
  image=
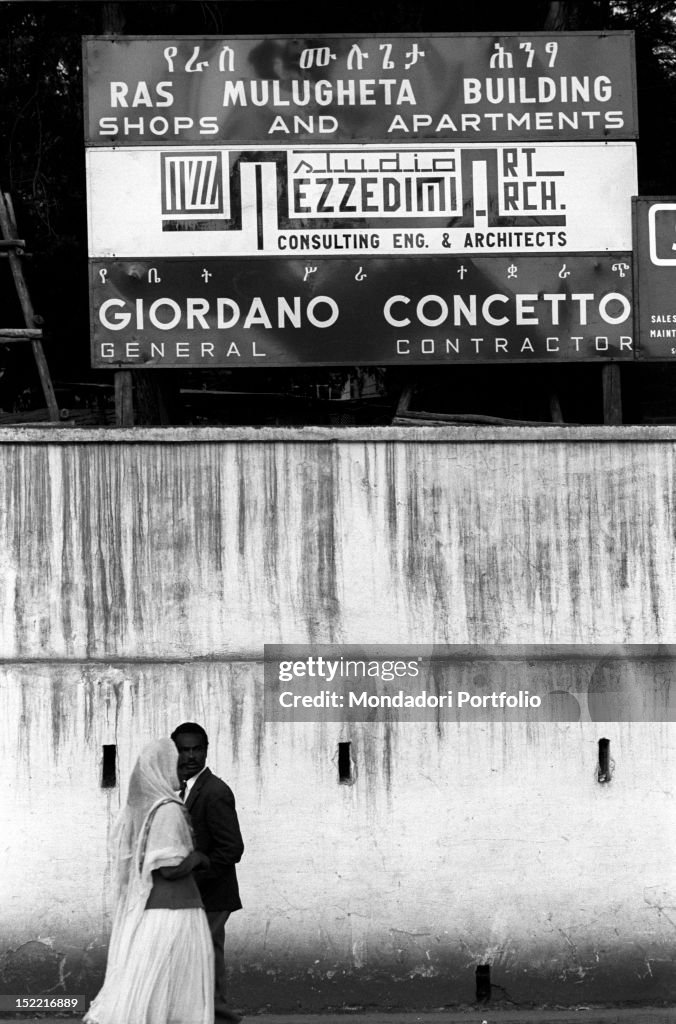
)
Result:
{"points": [[192, 754]]}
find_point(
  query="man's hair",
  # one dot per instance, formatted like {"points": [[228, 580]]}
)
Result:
{"points": [[190, 727]]}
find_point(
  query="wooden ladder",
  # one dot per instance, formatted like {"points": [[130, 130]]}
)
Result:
{"points": [[12, 248]]}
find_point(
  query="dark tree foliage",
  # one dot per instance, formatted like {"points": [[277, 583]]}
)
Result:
{"points": [[42, 158]]}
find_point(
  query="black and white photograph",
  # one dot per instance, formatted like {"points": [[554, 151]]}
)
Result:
{"points": [[338, 512]]}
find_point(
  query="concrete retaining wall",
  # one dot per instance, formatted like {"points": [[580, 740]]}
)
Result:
{"points": [[142, 572]]}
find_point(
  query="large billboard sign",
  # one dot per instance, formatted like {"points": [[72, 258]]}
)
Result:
{"points": [[655, 273], [283, 173], [490, 87]]}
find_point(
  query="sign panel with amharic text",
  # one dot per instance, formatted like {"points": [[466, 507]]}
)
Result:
{"points": [[349, 311], [490, 87]]}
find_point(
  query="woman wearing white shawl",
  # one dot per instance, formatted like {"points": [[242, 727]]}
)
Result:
{"points": [[160, 958]]}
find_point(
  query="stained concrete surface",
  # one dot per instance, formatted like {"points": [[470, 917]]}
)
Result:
{"points": [[143, 551]]}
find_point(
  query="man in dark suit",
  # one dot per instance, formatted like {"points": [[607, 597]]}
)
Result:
{"points": [[211, 805]]}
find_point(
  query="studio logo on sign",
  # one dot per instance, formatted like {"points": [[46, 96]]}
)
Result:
{"points": [[193, 186], [480, 187]]}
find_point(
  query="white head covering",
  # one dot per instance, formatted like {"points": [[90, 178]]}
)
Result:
{"points": [[148, 835]]}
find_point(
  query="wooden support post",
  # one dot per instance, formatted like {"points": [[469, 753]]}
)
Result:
{"points": [[112, 17], [149, 404], [139, 396], [404, 400], [9, 232], [612, 394], [124, 399], [113, 22], [555, 408]]}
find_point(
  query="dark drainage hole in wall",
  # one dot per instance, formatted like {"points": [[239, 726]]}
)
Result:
{"points": [[109, 766], [344, 762], [482, 976], [603, 770]]}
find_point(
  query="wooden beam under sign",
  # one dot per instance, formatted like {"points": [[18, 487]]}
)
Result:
{"points": [[555, 408], [405, 399], [428, 419], [124, 399], [612, 394]]}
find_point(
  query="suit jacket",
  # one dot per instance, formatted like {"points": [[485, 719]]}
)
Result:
{"points": [[211, 805]]}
